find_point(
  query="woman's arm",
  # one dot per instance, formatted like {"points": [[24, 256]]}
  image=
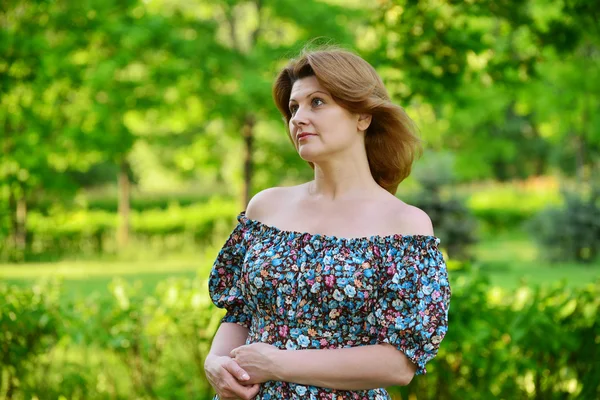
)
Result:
{"points": [[224, 374], [229, 336], [354, 368]]}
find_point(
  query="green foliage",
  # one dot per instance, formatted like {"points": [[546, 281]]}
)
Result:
{"points": [[533, 343], [502, 207], [30, 324], [159, 342], [504, 87], [530, 343], [90, 232], [169, 88], [144, 203], [79, 232], [453, 222], [570, 233], [162, 340]]}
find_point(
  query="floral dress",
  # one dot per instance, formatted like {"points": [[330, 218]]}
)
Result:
{"points": [[297, 291]]}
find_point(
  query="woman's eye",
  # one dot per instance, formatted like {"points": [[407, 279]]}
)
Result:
{"points": [[315, 102]]}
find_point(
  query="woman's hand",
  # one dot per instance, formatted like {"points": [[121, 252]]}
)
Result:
{"points": [[229, 380], [257, 359]]}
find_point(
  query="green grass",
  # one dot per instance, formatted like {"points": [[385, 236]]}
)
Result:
{"points": [[509, 258], [81, 278], [512, 258]]}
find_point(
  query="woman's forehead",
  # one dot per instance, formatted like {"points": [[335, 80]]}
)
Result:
{"points": [[305, 87]]}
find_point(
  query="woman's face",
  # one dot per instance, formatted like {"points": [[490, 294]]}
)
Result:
{"points": [[331, 128]]}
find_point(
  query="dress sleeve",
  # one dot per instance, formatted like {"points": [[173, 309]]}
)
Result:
{"points": [[414, 299], [225, 283]]}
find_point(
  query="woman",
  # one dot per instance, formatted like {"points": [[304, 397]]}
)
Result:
{"points": [[334, 289]]}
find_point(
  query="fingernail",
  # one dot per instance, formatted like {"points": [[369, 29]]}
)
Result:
{"points": [[245, 376]]}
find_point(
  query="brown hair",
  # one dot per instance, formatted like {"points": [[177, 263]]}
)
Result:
{"points": [[390, 140]]}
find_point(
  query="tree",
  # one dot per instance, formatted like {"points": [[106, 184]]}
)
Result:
{"points": [[73, 73], [259, 36], [39, 139], [473, 75]]}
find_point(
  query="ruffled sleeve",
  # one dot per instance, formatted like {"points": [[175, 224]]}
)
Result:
{"points": [[225, 283], [414, 299]]}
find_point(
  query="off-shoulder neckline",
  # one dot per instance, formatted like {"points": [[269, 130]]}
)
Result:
{"points": [[242, 218]]}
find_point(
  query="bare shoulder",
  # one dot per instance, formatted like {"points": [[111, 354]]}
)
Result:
{"points": [[263, 202], [412, 220]]}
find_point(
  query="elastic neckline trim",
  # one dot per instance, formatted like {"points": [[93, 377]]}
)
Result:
{"points": [[242, 218]]}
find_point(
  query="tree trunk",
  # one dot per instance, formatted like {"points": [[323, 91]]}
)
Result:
{"points": [[540, 164], [124, 206], [579, 158], [18, 224], [248, 134], [21, 225], [12, 214]]}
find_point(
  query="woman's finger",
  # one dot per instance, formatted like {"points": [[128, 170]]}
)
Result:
{"points": [[236, 390], [234, 369]]}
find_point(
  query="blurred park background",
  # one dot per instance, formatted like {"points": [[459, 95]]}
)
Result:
{"points": [[133, 132]]}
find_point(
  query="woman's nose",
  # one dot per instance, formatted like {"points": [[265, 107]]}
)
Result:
{"points": [[299, 118]]}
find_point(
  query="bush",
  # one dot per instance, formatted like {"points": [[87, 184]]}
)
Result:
{"points": [[526, 344], [30, 324], [125, 345], [161, 340], [75, 232], [147, 202], [107, 200], [91, 233], [538, 343], [507, 206], [453, 222], [570, 233]]}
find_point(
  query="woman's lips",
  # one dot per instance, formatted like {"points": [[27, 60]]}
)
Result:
{"points": [[304, 136]]}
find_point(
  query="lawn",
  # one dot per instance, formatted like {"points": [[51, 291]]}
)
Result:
{"points": [[81, 278], [508, 258], [512, 257]]}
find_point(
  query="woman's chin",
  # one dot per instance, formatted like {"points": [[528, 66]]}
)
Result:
{"points": [[309, 156]]}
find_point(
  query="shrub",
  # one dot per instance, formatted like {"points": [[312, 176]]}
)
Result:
{"points": [[92, 232], [534, 343], [30, 325], [161, 340], [527, 344], [572, 232], [507, 206], [453, 222]]}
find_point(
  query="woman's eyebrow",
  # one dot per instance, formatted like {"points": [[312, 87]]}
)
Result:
{"points": [[310, 94]]}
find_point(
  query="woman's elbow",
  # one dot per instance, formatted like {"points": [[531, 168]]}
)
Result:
{"points": [[402, 378], [406, 378], [404, 370]]}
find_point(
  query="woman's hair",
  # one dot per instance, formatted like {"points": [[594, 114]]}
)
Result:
{"points": [[390, 140]]}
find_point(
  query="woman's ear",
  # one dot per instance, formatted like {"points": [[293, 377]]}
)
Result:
{"points": [[364, 121]]}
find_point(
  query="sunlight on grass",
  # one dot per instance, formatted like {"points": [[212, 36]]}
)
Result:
{"points": [[82, 278], [508, 247], [509, 258], [89, 269], [513, 258]]}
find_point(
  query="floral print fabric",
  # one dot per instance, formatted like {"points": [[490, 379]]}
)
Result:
{"points": [[299, 291]]}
